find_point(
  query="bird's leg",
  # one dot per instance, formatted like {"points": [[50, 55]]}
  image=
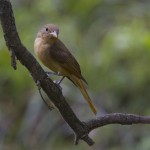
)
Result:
{"points": [[49, 74], [60, 80]]}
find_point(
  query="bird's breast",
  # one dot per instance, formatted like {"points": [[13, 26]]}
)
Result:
{"points": [[42, 51]]}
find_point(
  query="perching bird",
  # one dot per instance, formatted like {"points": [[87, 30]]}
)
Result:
{"points": [[54, 55]]}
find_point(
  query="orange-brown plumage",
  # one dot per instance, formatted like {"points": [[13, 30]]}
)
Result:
{"points": [[55, 55]]}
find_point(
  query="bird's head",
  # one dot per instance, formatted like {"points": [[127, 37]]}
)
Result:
{"points": [[49, 32]]}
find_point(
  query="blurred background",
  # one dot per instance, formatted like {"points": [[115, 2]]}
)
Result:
{"points": [[111, 41]]}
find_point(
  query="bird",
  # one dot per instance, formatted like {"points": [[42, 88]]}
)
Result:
{"points": [[51, 51]]}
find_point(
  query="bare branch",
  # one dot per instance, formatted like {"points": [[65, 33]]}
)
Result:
{"points": [[116, 118]]}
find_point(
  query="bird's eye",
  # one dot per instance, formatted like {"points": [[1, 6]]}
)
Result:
{"points": [[46, 29]]}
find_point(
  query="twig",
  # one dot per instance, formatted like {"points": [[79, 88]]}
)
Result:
{"points": [[13, 59], [47, 103]]}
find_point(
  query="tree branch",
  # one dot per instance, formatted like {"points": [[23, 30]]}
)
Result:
{"points": [[116, 118], [23, 55], [17, 50]]}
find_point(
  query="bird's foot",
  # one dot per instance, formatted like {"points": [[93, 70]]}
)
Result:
{"points": [[57, 82], [49, 74]]}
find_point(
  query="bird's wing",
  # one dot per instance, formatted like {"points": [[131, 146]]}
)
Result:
{"points": [[61, 54]]}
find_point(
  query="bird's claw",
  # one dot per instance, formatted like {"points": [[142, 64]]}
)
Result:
{"points": [[49, 74], [58, 84]]}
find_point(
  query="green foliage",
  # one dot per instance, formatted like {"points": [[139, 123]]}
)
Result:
{"points": [[111, 41]]}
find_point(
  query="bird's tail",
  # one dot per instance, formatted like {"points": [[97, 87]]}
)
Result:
{"points": [[79, 84]]}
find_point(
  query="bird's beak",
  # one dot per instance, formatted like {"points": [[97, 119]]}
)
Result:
{"points": [[54, 34]]}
